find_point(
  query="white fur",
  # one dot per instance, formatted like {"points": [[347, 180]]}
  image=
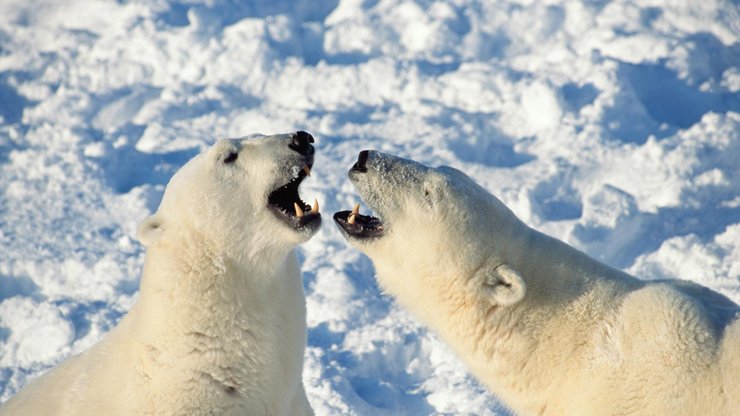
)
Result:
{"points": [[219, 325], [549, 330]]}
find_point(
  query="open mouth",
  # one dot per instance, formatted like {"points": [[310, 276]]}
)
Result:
{"points": [[357, 225], [287, 204]]}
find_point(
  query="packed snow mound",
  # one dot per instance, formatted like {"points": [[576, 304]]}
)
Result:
{"points": [[611, 125]]}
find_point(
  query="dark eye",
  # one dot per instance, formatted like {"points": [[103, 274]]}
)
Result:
{"points": [[231, 158]]}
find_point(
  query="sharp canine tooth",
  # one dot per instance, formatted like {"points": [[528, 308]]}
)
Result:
{"points": [[307, 170], [353, 215], [315, 208], [298, 210]]}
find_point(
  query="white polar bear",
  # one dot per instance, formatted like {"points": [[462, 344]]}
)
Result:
{"points": [[219, 326], [549, 330]]}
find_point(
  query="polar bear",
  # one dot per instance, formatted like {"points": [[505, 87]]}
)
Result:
{"points": [[219, 325], [549, 330]]}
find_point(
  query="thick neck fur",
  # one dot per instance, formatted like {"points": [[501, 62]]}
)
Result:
{"points": [[505, 340], [223, 315], [196, 280]]}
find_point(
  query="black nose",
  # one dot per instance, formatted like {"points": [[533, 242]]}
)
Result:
{"points": [[301, 141], [359, 166]]}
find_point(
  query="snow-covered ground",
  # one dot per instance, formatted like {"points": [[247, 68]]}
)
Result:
{"points": [[614, 126]]}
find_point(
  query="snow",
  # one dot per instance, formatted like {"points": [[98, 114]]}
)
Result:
{"points": [[611, 125]]}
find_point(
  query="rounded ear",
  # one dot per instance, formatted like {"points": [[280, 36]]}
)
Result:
{"points": [[150, 230], [504, 285]]}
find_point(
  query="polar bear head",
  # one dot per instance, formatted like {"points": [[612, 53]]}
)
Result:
{"points": [[437, 232], [239, 197]]}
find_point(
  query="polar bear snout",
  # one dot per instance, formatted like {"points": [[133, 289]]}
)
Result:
{"points": [[353, 224], [384, 182], [293, 166], [360, 165], [300, 141]]}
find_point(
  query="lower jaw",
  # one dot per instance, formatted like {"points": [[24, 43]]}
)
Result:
{"points": [[308, 221], [356, 231]]}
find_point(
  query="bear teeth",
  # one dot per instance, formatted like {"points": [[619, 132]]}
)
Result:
{"points": [[287, 203], [353, 215], [299, 212], [358, 225]]}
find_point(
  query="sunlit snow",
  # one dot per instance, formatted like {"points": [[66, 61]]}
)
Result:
{"points": [[614, 126]]}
